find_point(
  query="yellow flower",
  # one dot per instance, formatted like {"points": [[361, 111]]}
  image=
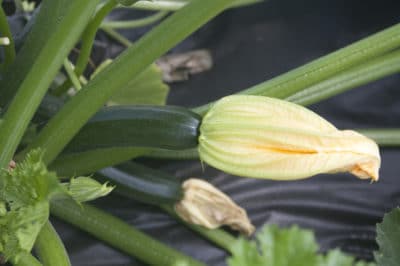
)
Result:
{"points": [[261, 137]]}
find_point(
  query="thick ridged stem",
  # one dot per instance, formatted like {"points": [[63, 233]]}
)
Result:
{"points": [[119, 234]]}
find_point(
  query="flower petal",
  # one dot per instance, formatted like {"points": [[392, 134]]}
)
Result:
{"points": [[262, 137]]}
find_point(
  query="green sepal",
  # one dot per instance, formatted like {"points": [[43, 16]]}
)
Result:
{"points": [[83, 189]]}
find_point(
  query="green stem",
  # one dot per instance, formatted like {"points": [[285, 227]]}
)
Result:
{"points": [[354, 77], [66, 123], [47, 22], [118, 37], [61, 89], [49, 247], [217, 236], [38, 79], [169, 5], [26, 259], [89, 35], [92, 161], [119, 234], [327, 66], [386, 137], [159, 5], [189, 154], [76, 164], [239, 3], [130, 24], [88, 38], [71, 74], [9, 50], [18, 5]]}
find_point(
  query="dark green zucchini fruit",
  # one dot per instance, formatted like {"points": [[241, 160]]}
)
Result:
{"points": [[142, 183], [165, 127]]}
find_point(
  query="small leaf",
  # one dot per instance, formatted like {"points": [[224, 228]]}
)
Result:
{"points": [[388, 238], [147, 88], [84, 189]]}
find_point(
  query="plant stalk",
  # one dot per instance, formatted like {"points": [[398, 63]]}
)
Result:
{"points": [[72, 77], [9, 50], [354, 77], [38, 79], [49, 247], [385, 137], [46, 23], [118, 234], [217, 236], [118, 37], [89, 35], [26, 259], [131, 24], [92, 161], [324, 67], [87, 42]]}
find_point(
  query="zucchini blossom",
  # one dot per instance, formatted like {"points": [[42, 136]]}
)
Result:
{"points": [[261, 137]]}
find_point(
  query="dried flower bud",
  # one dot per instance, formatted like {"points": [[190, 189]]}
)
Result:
{"points": [[205, 205], [261, 137]]}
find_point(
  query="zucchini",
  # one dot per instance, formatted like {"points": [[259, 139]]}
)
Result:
{"points": [[165, 127], [142, 183]]}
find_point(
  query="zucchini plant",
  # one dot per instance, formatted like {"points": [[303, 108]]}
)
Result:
{"points": [[59, 120]]}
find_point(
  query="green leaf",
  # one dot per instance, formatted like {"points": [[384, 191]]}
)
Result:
{"points": [[278, 247], [388, 238], [337, 258], [147, 88], [286, 247], [245, 253], [19, 229], [24, 204], [28, 183]]}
